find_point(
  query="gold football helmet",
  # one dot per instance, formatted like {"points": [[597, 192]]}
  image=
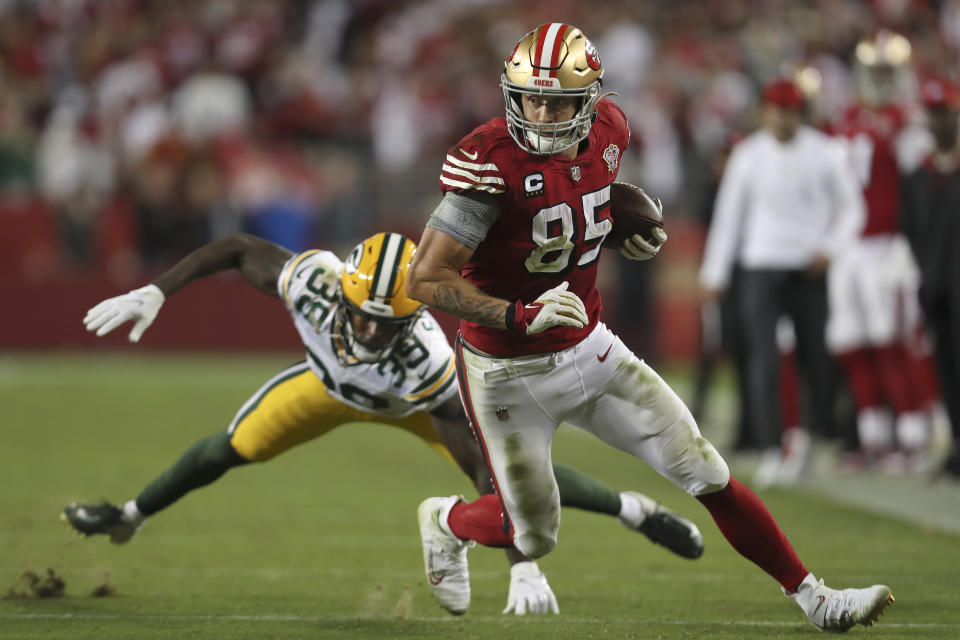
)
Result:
{"points": [[881, 67], [375, 313], [554, 59]]}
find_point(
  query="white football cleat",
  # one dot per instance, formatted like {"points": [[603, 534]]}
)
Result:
{"points": [[444, 555], [836, 610], [767, 471], [796, 458]]}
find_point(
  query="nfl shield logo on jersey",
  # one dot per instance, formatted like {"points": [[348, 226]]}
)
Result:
{"points": [[575, 173], [612, 155]]}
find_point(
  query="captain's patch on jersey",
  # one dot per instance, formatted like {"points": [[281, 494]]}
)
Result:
{"points": [[533, 185]]}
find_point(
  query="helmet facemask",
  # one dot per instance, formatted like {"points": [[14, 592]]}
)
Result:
{"points": [[550, 137], [375, 315], [384, 337]]}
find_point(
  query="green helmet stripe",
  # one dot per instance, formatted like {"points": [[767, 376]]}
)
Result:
{"points": [[388, 263]]}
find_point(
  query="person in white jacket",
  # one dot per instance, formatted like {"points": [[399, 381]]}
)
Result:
{"points": [[788, 203]]}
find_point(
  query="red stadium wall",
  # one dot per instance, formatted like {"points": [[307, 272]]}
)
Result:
{"points": [[217, 313], [224, 313]]}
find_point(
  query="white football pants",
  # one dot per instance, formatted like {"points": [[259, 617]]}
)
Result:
{"points": [[599, 385], [872, 291]]}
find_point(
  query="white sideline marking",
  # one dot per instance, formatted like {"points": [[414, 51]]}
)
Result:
{"points": [[481, 619]]}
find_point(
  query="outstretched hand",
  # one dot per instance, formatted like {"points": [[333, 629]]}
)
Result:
{"points": [[140, 305], [529, 591]]}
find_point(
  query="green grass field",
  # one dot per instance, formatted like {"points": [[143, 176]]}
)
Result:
{"points": [[323, 541]]}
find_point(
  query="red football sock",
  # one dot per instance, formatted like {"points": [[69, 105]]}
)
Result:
{"points": [[481, 520], [892, 363], [789, 390], [863, 377], [923, 370], [747, 525]]}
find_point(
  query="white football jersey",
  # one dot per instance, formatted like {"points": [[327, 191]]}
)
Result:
{"points": [[418, 376]]}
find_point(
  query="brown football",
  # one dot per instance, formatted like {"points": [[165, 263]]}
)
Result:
{"points": [[633, 211]]}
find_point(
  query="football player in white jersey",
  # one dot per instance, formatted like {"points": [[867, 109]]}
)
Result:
{"points": [[373, 354]]}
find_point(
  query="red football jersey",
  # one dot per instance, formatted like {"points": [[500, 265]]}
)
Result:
{"points": [[554, 213], [872, 135]]}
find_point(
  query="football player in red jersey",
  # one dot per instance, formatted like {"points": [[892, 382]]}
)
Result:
{"points": [[874, 309], [512, 250]]}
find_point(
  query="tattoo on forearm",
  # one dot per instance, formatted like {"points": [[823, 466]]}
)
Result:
{"points": [[475, 309]]}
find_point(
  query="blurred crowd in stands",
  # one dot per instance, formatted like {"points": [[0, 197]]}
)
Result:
{"points": [[134, 130]]}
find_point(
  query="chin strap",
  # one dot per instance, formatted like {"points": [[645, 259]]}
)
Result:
{"points": [[593, 118]]}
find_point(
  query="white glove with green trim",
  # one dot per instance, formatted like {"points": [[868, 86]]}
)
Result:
{"points": [[140, 305]]}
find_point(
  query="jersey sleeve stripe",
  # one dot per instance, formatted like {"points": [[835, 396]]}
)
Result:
{"points": [[470, 176], [296, 260], [448, 372], [487, 166], [439, 392], [466, 185]]}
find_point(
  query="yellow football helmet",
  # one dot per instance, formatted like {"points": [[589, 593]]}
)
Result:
{"points": [[881, 67], [554, 59], [375, 313]]}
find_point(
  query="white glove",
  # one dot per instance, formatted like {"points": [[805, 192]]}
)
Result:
{"points": [[140, 305], [636, 248], [529, 591], [552, 308]]}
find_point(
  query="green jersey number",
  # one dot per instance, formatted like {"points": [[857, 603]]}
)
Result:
{"points": [[316, 305]]}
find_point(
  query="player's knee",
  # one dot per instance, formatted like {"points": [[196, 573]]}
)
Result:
{"points": [[717, 483], [535, 544], [244, 450], [536, 535], [710, 472]]}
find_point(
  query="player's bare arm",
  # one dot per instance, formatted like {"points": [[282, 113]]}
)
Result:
{"points": [[435, 280], [450, 423], [256, 259]]}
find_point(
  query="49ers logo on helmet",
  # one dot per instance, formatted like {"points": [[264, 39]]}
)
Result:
{"points": [[593, 58]]}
